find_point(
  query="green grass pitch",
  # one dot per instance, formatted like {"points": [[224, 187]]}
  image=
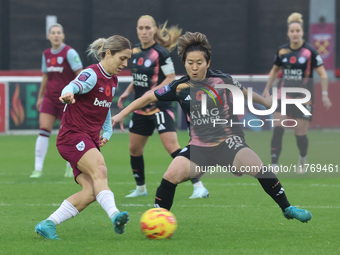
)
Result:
{"points": [[238, 218]]}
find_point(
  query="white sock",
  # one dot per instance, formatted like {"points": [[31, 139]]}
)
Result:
{"points": [[65, 212], [68, 164], [41, 146], [107, 200], [141, 187], [198, 184]]}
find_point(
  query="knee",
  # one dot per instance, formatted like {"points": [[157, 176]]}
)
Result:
{"points": [[100, 172], [174, 178], [136, 151]]}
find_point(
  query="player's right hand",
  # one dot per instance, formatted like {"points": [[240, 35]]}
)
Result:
{"points": [[67, 98]]}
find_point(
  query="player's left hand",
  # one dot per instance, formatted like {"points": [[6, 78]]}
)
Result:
{"points": [[268, 100], [118, 119], [103, 141], [326, 101]]}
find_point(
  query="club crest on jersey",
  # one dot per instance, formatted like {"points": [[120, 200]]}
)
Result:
{"points": [[80, 146], [147, 63], [163, 90], [60, 60], [84, 76]]}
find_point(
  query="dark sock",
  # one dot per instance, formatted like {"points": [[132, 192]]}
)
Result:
{"points": [[175, 153], [276, 144], [165, 194], [302, 143], [137, 165], [195, 180], [272, 186]]}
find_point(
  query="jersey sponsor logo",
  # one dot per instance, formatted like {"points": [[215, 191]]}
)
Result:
{"points": [[147, 63], [102, 103], [60, 60], [55, 69], [84, 76], [80, 146], [140, 80], [302, 60], [293, 74], [163, 90], [292, 60]]}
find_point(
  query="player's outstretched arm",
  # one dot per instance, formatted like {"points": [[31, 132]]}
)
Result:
{"points": [[137, 104]]}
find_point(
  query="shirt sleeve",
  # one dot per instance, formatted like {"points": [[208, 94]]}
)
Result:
{"points": [[107, 126], [316, 58], [166, 93], [277, 59], [85, 81], [74, 60], [168, 67], [71, 87], [43, 64]]}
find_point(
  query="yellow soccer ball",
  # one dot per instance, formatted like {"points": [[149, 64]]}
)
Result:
{"points": [[158, 223]]}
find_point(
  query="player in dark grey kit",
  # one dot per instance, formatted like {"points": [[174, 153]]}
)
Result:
{"points": [[88, 100], [153, 68], [297, 60], [210, 145]]}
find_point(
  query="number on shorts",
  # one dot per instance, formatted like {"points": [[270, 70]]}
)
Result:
{"points": [[234, 142], [160, 118]]}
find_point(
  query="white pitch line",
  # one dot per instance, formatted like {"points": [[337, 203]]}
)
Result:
{"points": [[182, 205]]}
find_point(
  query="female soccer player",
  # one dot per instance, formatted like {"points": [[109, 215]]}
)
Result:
{"points": [[60, 65], [88, 99], [296, 60], [210, 144], [152, 69]]}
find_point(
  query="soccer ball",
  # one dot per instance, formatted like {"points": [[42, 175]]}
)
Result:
{"points": [[158, 223]]}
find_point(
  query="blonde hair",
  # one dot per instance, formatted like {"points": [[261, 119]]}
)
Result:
{"points": [[193, 42], [114, 43], [295, 17], [167, 37], [56, 25]]}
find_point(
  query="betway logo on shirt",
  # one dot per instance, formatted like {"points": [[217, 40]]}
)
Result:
{"points": [[55, 69], [103, 103]]}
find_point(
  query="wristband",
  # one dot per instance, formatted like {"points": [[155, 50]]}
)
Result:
{"points": [[325, 93]]}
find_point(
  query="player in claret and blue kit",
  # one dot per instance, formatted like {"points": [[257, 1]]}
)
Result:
{"points": [[88, 99]]}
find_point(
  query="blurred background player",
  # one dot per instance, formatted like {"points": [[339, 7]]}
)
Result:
{"points": [[297, 60], [60, 65], [153, 68], [225, 146], [88, 99]]}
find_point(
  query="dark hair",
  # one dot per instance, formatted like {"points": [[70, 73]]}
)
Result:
{"points": [[193, 42]]}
